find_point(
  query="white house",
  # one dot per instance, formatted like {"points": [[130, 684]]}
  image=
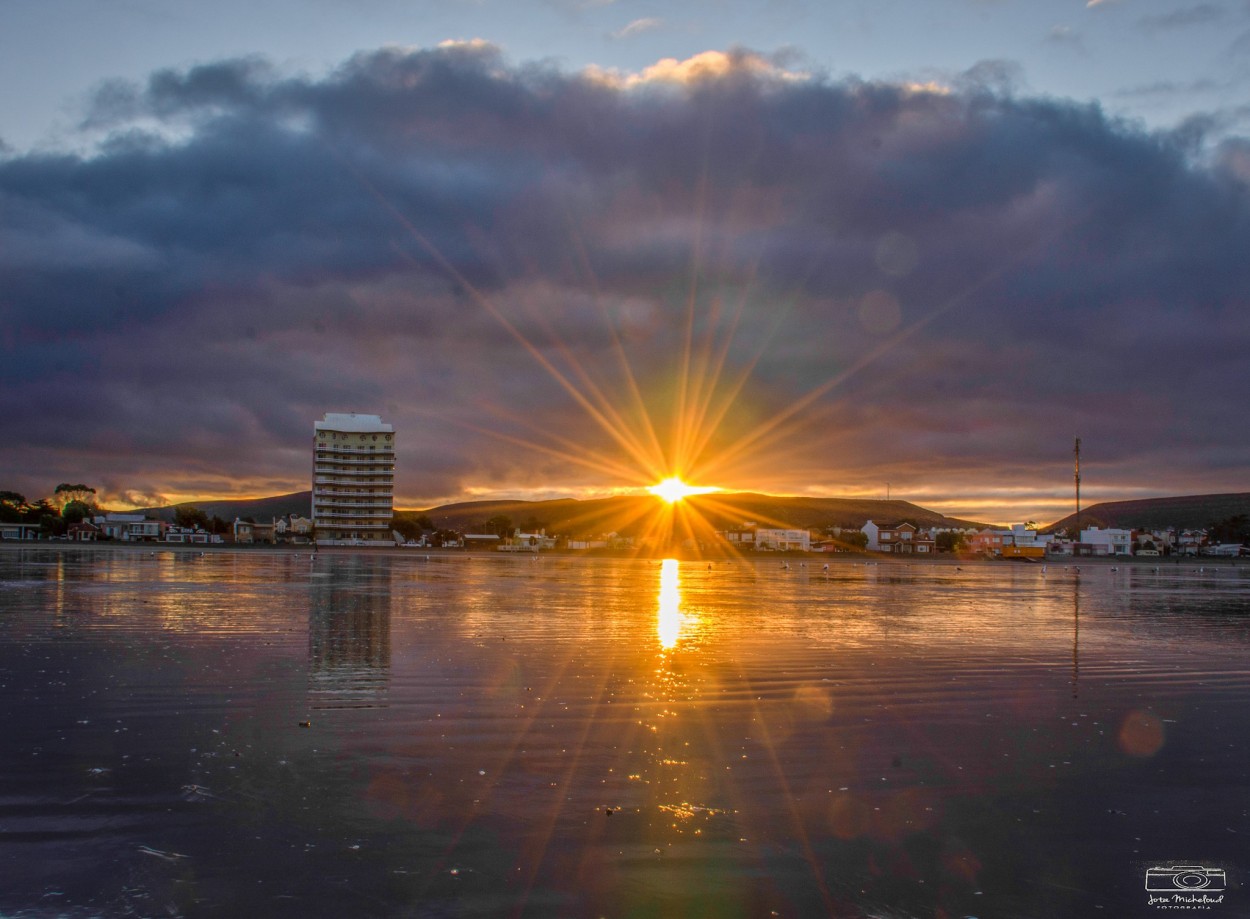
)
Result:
{"points": [[528, 542], [1021, 535], [129, 527], [783, 540], [873, 532], [1108, 542]]}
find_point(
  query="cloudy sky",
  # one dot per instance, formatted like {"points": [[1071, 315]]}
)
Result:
{"points": [[569, 248]]}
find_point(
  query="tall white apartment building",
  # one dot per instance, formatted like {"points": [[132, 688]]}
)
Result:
{"points": [[353, 483]]}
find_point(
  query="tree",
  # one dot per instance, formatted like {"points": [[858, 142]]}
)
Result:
{"points": [[854, 539], [949, 541], [406, 527], [75, 512], [425, 523], [1231, 529], [12, 506], [46, 515], [66, 493], [189, 516]]}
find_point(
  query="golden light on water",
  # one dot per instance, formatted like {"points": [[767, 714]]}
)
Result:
{"points": [[669, 619], [673, 489]]}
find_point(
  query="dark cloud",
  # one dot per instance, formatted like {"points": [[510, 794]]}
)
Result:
{"points": [[1001, 77], [553, 279]]}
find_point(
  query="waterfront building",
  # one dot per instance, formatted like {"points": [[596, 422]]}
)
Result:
{"points": [[248, 532], [1108, 542], [353, 480], [1025, 543], [902, 538], [741, 538], [783, 540], [528, 542], [83, 531], [293, 529], [129, 527], [990, 541], [19, 531], [873, 532]]}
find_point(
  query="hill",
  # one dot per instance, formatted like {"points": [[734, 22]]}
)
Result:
{"points": [[1191, 512], [631, 515], [299, 502], [626, 515]]}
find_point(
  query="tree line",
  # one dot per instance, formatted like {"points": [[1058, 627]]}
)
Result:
{"points": [[72, 503], [68, 504]]}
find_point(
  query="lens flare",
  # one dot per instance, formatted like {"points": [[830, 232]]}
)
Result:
{"points": [[673, 489]]}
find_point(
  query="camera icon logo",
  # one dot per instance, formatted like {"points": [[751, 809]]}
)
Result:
{"points": [[1185, 877]]}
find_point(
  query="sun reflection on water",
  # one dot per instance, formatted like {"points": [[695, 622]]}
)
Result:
{"points": [[670, 618]]}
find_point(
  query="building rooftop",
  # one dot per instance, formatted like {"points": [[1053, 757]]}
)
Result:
{"points": [[351, 422]]}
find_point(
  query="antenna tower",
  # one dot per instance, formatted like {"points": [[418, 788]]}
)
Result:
{"points": [[1076, 472]]}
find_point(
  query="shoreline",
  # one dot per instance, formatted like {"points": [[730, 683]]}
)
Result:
{"points": [[838, 558]]}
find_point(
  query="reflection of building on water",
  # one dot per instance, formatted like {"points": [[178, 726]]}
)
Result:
{"points": [[1076, 638], [349, 644]]}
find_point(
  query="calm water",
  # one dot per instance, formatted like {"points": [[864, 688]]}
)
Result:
{"points": [[243, 734]]}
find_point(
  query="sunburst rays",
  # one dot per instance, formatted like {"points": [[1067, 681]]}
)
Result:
{"points": [[673, 410]]}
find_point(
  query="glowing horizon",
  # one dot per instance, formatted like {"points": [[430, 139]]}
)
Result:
{"points": [[988, 507], [673, 489]]}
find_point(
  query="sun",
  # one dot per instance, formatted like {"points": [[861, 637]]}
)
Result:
{"points": [[673, 489]]}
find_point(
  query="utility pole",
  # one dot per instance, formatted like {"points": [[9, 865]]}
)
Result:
{"points": [[1076, 456]]}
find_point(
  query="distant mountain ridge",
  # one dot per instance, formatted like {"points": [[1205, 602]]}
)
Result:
{"points": [[621, 514], [299, 502], [1190, 512], [629, 514]]}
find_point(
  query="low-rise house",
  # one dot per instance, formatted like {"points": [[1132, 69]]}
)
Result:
{"points": [[294, 529], [1060, 545], [191, 535], [130, 527], [1023, 542], [1151, 543], [873, 532], [247, 532], [582, 544], [989, 541], [1188, 542], [783, 540], [1108, 542], [1023, 536], [1225, 550], [902, 538], [19, 531], [528, 542], [83, 531], [742, 537]]}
